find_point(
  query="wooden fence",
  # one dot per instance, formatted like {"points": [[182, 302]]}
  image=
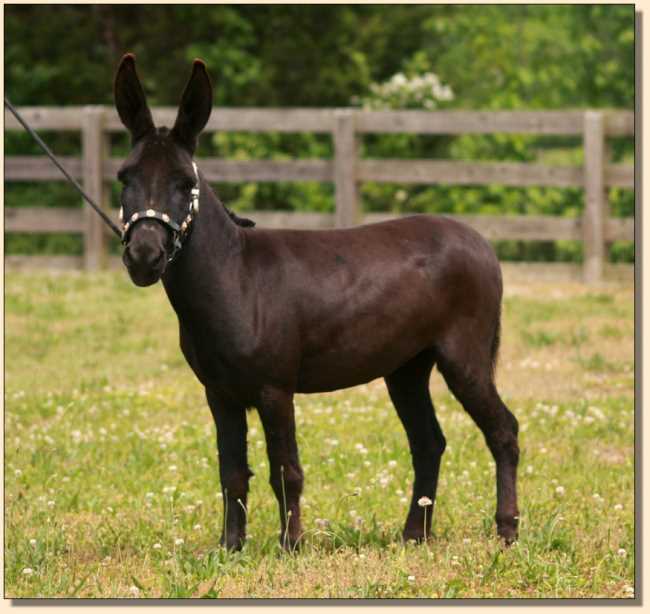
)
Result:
{"points": [[96, 168]]}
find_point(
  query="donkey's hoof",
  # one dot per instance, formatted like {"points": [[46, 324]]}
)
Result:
{"points": [[413, 535], [507, 529], [508, 537], [290, 544], [232, 543]]}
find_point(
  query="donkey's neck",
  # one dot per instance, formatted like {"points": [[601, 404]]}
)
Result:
{"points": [[201, 278]]}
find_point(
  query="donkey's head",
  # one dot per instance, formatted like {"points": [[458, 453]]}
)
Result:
{"points": [[160, 194]]}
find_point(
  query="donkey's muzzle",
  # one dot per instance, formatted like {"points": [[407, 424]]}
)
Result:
{"points": [[145, 256]]}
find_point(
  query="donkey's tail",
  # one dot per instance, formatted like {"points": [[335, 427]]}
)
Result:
{"points": [[496, 335], [496, 340]]}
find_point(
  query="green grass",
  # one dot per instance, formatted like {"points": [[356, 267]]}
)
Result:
{"points": [[111, 479]]}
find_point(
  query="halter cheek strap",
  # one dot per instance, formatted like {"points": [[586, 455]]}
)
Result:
{"points": [[180, 232]]}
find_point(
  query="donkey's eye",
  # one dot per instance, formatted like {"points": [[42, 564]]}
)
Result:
{"points": [[185, 185]]}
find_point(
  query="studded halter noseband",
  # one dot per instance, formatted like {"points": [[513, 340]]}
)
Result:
{"points": [[179, 232]]}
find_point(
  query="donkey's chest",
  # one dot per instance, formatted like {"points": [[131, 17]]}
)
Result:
{"points": [[233, 364]]}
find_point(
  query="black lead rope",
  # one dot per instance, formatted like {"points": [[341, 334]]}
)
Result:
{"points": [[46, 149]]}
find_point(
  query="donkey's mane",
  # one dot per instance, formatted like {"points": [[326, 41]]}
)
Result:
{"points": [[240, 221]]}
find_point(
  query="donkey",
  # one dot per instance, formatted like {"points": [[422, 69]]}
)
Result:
{"points": [[265, 314]]}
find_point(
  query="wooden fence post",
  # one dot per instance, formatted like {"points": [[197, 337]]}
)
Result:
{"points": [[95, 149], [348, 211], [593, 222]]}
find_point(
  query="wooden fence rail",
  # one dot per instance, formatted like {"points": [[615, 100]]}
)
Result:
{"points": [[96, 168]]}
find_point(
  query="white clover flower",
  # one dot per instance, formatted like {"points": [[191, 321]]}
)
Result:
{"points": [[32, 542], [621, 552], [618, 507], [197, 527], [411, 578], [172, 468], [559, 490], [28, 571], [179, 541], [392, 463], [424, 502], [134, 590], [403, 500], [322, 523]]}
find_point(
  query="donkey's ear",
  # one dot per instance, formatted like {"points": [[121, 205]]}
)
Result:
{"points": [[195, 107], [130, 100]]}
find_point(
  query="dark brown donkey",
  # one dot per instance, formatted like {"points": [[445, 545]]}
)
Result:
{"points": [[265, 314]]}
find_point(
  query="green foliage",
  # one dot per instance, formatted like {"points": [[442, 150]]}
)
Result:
{"points": [[379, 56]]}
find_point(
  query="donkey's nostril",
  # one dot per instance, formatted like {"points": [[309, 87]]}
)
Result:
{"points": [[159, 260], [143, 256]]}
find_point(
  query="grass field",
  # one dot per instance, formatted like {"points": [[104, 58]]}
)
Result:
{"points": [[111, 481]]}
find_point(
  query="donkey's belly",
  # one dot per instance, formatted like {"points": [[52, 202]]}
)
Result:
{"points": [[371, 329], [357, 357]]}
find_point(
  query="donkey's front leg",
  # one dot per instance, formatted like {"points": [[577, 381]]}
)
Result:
{"points": [[230, 420], [277, 415]]}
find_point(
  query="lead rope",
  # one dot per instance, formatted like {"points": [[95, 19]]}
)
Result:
{"points": [[46, 149]]}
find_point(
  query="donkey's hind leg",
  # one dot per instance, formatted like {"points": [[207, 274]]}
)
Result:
{"points": [[467, 369], [409, 390]]}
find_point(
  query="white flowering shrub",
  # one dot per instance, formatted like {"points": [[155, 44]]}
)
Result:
{"points": [[401, 92]]}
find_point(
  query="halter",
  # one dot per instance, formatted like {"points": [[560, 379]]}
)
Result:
{"points": [[179, 232]]}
